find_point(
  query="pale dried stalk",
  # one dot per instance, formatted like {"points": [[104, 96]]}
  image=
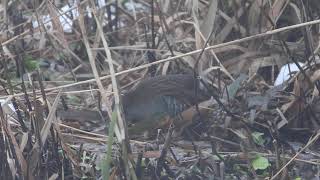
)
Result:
{"points": [[249, 38], [44, 134], [310, 142], [115, 88], [90, 55], [118, 108], [50, 119], [213, 53], [97, 79], [88, 134], [9, 136]]}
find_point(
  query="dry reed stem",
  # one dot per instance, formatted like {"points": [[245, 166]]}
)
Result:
{"points": [[310, 142], [271, 32], [50, 119], [95, 134], [120, 126]]}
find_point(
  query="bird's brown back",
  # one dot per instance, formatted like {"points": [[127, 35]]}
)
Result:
{"points": [[156, 97], [181, 86]]}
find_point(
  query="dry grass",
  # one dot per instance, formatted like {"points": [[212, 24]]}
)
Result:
{"points": [[237, 47]]}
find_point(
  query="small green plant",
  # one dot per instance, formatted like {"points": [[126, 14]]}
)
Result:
{"points": [[260, 163], [31, 64], [258, 138], [105, 166]]}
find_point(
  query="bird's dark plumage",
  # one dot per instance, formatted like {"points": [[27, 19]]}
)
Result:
{"points": [[157, 98]]}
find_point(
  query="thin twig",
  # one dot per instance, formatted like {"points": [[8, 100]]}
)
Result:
{"points": [[314, 139], [249, 38]]}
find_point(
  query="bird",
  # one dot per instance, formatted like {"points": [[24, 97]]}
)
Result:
{"points": [[155, 101]]}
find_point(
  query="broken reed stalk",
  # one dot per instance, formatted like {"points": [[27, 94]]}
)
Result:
{"points": [[120, 126], [166, 146], [105, 166]]}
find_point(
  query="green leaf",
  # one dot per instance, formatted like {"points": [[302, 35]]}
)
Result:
{"points": [[258, 138], [260, 163], [297, 178], [31, 64], [106, 163]]}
